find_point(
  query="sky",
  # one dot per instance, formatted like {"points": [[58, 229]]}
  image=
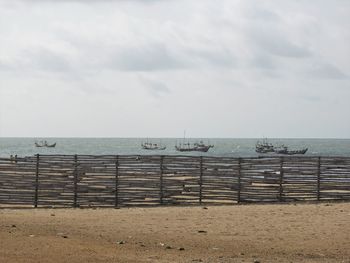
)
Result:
{"points": [[154, 68]]}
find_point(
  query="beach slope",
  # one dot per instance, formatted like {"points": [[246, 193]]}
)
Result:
{"points": [[239, 233]]}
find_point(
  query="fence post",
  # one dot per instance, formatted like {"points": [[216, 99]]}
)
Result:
{"points": [[75, 204], [318, 178], [161, 180], [36, 182], [280, 198], [116, 180], [200, 179], [239, 181]]}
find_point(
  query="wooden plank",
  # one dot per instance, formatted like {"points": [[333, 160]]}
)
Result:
{"points": [[281, 180], [200, 179], [239, 181], [75, 201], [161, 190], [116, 203]]}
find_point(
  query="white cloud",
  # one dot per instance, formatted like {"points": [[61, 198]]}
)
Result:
{"points": [[155, 88], [230, 68]]}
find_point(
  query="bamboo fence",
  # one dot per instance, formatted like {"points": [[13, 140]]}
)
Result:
{"points": [[143, 180]]}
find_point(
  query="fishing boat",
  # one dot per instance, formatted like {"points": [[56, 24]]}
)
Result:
{"points": [[188, 147], [50, 145], [284, 150], [196, 147], [152, 146], [264, 147], [44, 144], [39, 144]]}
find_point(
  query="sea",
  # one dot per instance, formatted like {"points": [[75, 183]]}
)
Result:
{"points": [[132, 146]]}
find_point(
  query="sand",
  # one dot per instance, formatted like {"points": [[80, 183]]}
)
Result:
{"points": [[240, 233]]}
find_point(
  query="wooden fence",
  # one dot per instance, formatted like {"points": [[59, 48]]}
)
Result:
{"points": [[129, 180]]}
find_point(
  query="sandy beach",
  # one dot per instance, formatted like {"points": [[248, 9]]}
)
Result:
{"points": [[240, 233]]}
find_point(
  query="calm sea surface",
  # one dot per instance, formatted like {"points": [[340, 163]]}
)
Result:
{"points": [[222, 147]]}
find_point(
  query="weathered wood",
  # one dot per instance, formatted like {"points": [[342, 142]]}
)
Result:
{"points": [[36, 181], [161, 180], [239, 181], [318, 178], [281, 180], [116, 181], [107, 180], [200, 179], [75, 202]]}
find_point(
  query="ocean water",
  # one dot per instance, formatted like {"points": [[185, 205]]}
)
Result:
{"points": [[120, 146]]}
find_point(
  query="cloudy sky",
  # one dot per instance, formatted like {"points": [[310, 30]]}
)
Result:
{"points": [[153, 68]]}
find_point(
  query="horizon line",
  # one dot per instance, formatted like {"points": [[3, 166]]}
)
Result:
{"points": [[135, 137]]}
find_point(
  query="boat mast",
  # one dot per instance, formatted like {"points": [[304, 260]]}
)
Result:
{"points": [[183, 141]]}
